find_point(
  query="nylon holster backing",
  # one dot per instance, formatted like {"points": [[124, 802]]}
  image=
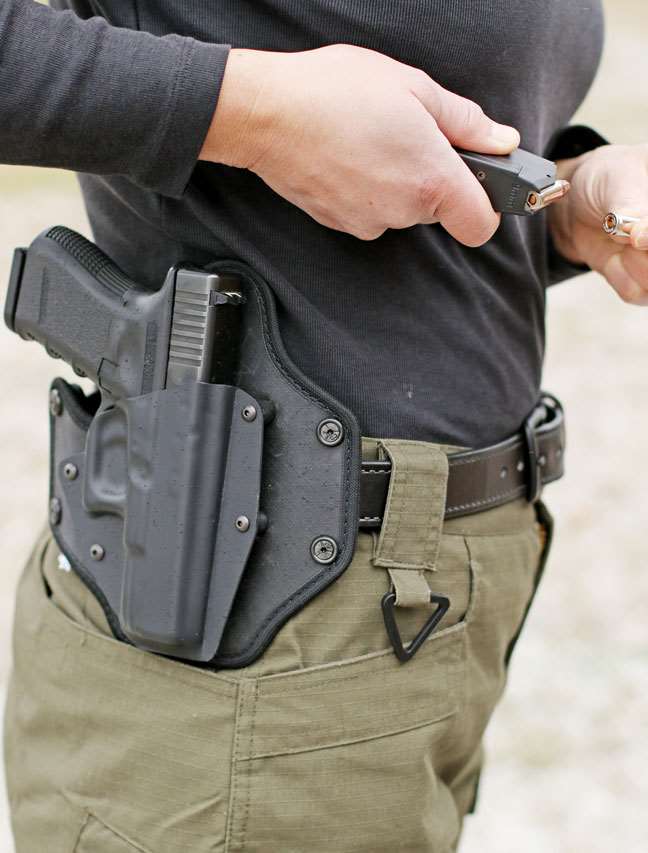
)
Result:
{"points": [[308, 493]]}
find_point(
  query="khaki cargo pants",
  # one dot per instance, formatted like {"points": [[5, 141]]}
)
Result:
{"points": [[327, 744]]}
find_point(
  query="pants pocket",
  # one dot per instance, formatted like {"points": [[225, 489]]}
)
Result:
{"points": [[350, 756], [92, 725]]}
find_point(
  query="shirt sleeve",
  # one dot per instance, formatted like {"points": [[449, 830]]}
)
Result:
{"points": [[83, 95], [568, 142]]}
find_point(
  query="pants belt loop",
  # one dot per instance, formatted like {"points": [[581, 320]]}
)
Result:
{"points": [[410, 536]]}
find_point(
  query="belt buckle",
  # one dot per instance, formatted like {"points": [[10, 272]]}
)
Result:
{"points": [[532, 462]]}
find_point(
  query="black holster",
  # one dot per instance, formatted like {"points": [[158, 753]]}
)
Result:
{"points": [[200, 542]]}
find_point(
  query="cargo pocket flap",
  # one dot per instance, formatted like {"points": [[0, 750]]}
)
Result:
{"points": [[369, 697]]}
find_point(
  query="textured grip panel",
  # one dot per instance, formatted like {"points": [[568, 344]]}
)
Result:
{"points": [[92, 259]]}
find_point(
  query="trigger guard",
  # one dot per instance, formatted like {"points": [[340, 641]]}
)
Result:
{"points": [[105, 471]]}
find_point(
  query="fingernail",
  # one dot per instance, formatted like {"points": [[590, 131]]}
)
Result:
{"points": [[641, 240], [505, 135]]}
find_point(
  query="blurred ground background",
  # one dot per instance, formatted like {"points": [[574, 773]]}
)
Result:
{"points": [[568, 750]]}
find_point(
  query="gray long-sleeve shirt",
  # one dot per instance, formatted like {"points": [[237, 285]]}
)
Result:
{"points": [[421, 337]]}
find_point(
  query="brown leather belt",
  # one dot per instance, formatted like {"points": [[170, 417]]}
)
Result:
{"points": [[488, 477]]}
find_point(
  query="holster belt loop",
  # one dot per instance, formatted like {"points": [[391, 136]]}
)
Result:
{"points": [[410, 587], [412, 526]]}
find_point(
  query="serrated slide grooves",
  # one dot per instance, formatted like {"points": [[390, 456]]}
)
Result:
{"points": [[188, 327]]}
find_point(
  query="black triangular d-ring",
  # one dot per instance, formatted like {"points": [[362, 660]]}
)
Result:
{"points": [[405, 653]]}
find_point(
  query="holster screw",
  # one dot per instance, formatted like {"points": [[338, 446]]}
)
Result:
{"points": [[55, 510], [70, 471], [330, 432], [242, 523], [55, 403], [97, 552], [249, 413], [324, 549]]}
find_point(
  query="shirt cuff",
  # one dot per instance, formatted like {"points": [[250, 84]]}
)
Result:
{"points": [[193, 96], [573, 141], [567, 143]]}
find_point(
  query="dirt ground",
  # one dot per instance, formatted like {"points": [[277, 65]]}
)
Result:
{"points": [[568, 749]]}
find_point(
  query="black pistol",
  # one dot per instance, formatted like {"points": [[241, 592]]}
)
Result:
{"points": [[170, 454]]}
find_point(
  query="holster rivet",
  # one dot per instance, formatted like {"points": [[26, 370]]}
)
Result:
{"points": [[70, 471], [249, 413], [55, 403], [324, 549], [242, 523], [330, 432], [55, 510], [97, 552]]}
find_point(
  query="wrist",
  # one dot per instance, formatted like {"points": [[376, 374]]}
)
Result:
{"points": [[570, 148], [560, 216], [240, 122]]}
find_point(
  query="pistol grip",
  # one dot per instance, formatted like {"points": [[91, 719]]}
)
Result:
{"points": [[70, 297]]}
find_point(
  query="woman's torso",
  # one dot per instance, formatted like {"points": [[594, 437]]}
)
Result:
{"points": [[421, 337]]}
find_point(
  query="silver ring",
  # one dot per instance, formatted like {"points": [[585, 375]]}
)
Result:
{"points": [[617, 225]]}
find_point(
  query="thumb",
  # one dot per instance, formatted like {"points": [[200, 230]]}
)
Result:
{"points": [[464, 123]]}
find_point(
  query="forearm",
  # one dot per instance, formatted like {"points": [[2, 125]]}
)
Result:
{"points": [[86, 96]]}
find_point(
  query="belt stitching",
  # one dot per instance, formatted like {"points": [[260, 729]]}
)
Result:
{"points": [[482, 502], [485, 501]]}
